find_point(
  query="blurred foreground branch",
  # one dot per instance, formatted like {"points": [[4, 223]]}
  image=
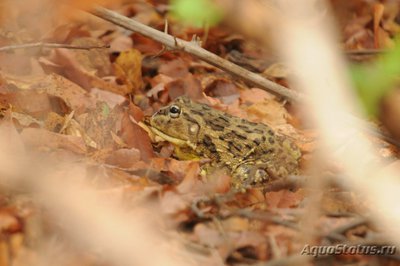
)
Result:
{"points": [[307, 40]]}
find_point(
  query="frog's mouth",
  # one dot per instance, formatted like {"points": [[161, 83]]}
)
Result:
{"points": [[154, 133]]}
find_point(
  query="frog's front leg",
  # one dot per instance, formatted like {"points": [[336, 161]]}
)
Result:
{"points": [[249, 175]]}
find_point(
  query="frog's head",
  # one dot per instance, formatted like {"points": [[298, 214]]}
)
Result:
{"points": [[179, 122]]}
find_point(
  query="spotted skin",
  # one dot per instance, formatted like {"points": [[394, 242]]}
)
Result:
{"points": [[252, 152]]}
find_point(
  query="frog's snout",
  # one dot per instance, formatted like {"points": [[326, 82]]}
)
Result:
{"points": [[162, 111]]}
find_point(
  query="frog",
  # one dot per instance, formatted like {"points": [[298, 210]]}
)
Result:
{"points": [[252, 153]]}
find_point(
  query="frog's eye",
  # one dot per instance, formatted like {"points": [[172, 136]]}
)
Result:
{"points": [[174, 111]]}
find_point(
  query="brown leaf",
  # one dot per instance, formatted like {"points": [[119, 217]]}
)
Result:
{"points": [[228, 242], [221, 88], [19, 65], [277, 70], [173, 203], [146, 45], [175, 69], [112, 99], [208, 236], [188, 86], [93, 60], [86, 79], [8, 222], [191, 172], [135, 137], [238, 224], [255, 95], [269, 112], [284, 198], [99, 123], [30, 102], [341, 202], [124, 158], [158, 85], [75, 97], [25, 120], [121, 43], [218, 182], [128, 69], [10, 136], [389, 112], [40, 138]]}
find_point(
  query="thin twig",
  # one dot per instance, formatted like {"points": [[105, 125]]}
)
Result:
{"points": [[51, 46], [174, 43]]}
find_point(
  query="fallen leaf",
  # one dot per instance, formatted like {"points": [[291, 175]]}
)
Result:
{"points": [[221, 88], [342, 202], [208, 236], [135, 137], [86, 79], [277, 70], [112, 99], [269, 112], [173, 203], [98, 124], [11, 139], [124, 158], [25, 120], [389, 112], [188, 86], [121, 43], [8, 222], [175, 69], [40, 138], [75, 97], [128, 69], [284, 198], [34, 103], [237, 224], [95, 61], [145, 45], [255, 95]]}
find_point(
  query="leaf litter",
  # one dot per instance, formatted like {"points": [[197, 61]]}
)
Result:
{"points": [[86, 105]]}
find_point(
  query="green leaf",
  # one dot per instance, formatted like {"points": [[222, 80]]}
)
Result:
{"points": [[374, 81], [196, 12]]}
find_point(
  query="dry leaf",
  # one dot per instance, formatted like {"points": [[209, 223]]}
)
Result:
{"points": [[135, 137], [86, 79], [95, 61], [128, 68], [40, 138], [124, 158], [188, 86], [75, 97], [175, 69], [269, 112], [255, 95], [277, 70], [284, 198]]}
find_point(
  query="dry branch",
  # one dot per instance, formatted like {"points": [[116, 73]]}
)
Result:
{"points": [[174, 43], [50, 45]]}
